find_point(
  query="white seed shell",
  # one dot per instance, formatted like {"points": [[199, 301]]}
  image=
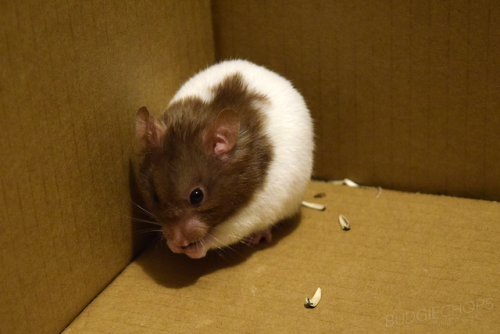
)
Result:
{"points": [[344, 223], [313, 302], [350, 183], [315, 206]]}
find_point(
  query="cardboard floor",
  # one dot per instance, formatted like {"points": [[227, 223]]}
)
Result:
{"points": [[410, 263]]}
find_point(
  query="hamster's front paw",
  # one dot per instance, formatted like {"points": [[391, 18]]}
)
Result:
{"points": [[255, 238]]}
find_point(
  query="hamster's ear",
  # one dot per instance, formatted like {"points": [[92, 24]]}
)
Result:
{"points": [[222, 134], [148, 130]]}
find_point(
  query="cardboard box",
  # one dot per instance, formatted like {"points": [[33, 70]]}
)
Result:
{"points": [[404, 96]]}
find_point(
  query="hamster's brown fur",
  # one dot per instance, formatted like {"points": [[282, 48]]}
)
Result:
{"points": [[180, 160]]}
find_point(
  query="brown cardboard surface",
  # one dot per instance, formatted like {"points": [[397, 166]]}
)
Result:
{"points": [[404, 93], [72, 76], [407, 256]]}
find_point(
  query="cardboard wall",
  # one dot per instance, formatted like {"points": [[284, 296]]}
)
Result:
{"points": [[405, 94], [72, 76]]}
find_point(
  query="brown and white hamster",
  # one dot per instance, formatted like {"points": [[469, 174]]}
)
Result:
{"points": [[229, 158]]}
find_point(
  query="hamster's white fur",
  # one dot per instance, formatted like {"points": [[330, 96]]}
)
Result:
{"points": [[290, 130]]}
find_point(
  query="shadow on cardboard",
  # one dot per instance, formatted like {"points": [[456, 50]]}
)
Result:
{"points": [[177, 270]]}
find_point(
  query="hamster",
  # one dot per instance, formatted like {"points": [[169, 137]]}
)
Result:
{"points": [[229, 158]]}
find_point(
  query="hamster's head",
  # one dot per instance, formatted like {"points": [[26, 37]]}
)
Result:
{"points": [[189, 178]]}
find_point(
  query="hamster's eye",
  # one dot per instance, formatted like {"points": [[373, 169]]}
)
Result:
{"points": [[196, 196]]}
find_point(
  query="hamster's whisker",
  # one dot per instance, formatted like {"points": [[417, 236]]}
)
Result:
{"points": [[140, 220], [146, 221], [223, 249], [143, 209], [221, 254], [159, 240], [198, 244], [146, 231]]}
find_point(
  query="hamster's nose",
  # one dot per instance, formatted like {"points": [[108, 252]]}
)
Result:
{"points": [[178, 244], [182, 236]]}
